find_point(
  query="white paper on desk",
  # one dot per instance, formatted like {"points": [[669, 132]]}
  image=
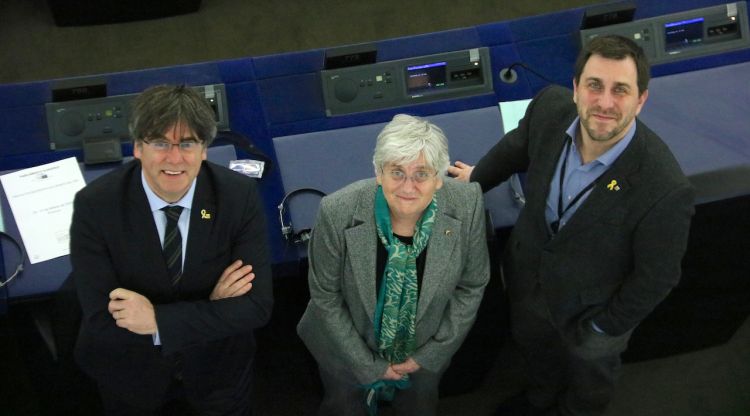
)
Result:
{"points": [[41, 201], [512, 112]]}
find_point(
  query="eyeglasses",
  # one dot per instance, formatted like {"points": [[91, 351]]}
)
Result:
{"points": [[185, 146], [420, 176]]}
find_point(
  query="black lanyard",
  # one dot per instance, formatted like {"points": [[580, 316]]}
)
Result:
{"points": [[555, 225]]}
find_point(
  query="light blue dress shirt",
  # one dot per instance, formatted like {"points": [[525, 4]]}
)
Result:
{"points": [[577, 175]]}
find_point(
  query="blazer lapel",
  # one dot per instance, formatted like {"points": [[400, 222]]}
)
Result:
{"points": [[446, 232], [547, 167], [361, 240], [202, 217]]}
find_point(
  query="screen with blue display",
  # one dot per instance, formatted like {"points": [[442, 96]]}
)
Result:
{"points": [[682, 34], [420, 78]]}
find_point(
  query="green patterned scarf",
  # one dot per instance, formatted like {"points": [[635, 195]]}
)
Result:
{"points": [[396, 310]]}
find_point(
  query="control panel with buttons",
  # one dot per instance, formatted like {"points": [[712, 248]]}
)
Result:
{"points": [[406, 81], [71, 122], [684, 35]]}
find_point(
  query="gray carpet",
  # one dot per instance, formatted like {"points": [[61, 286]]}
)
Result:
{"points": [[33, 48]]}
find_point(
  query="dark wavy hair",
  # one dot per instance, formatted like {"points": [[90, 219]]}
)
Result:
{"points": [[616, 47], [158, 108]]}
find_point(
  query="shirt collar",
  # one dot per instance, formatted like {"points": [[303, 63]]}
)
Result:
{"points": [[608, 157], [156, 203]]}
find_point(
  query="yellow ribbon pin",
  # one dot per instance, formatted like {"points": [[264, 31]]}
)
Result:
{"points": [[205, 214], [613, 186]]}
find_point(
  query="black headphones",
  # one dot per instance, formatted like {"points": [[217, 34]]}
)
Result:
{"points": [[21, 252], [301, 236]]}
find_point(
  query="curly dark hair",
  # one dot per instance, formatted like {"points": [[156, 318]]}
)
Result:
{"points": [[615, 47]]}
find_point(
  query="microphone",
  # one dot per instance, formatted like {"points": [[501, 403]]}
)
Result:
{"points": [[508, 75]]}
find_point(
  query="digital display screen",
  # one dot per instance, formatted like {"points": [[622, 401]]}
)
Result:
{"points": [[683, 34], [425, 77]]}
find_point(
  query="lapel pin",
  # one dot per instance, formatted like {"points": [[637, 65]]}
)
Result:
{"points": [[205, 215], [613, 186], [448, 232]]}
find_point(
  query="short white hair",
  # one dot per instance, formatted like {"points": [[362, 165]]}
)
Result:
{"points": [[406, 137]]}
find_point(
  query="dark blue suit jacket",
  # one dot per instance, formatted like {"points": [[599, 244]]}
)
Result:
{"points": [[620, 253], [114, 243]]}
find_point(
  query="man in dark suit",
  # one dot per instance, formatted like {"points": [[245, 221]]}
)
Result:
{"points": [[171, 266], [600, 240]]}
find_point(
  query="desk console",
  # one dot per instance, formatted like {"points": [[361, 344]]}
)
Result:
{"points": [[684, 35]]}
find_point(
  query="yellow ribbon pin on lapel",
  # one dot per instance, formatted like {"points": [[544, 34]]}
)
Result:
{"points": [[205, 215], [613, 186]]}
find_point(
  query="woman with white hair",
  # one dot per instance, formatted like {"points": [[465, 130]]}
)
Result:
{"points": [[398, 266]]}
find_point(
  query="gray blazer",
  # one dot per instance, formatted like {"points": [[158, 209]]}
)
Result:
{"points": [[337, 326]]}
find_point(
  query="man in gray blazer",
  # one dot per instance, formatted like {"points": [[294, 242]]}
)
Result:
{"points": [[346, 273], [600, 240]]}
